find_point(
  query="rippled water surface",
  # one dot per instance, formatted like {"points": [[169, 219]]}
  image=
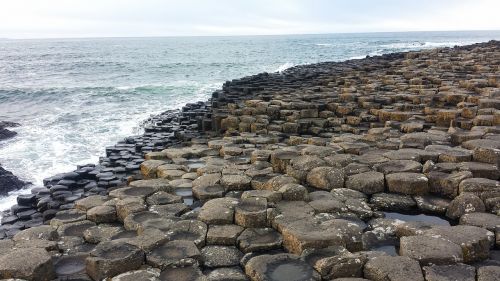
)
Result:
{"points": [[73, 97]]}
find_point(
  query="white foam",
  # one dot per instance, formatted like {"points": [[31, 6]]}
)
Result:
{"points": [[324, 44], [8, 201], [284, 67], [423, 45]]}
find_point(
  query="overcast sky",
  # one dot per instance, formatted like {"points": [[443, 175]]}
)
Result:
{"points": [[104, 18]]}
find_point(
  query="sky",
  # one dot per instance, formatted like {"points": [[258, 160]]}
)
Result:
{"points": [[130, 18]]}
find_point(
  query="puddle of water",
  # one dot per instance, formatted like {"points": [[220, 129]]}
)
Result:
{"points": [[184, 192], [188, 201], [196, 165], [388, 249], [420, 217], [291, 271], [70, 265]]}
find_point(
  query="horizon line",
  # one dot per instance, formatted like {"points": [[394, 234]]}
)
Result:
{"points": [[243, 35]]}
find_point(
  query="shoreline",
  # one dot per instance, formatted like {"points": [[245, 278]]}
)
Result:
{"points": [[317, 156]]}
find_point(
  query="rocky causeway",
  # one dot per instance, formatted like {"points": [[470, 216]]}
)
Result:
{"points": [[382, 169]]}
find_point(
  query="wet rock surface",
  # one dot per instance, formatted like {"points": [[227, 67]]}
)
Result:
{"points": [[384, 168], [9, 182], [6, 133]]}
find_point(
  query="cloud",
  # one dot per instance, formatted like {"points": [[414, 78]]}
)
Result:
{"points": [[95, 18]]}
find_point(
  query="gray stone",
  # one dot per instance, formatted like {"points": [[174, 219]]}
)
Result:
{"points": [[259, 239], [388, 268], [27, 263], [430, 250], [475, 241], [484, 220], [173, 253], [450, 272], [488, 273], [463, 204], [326, 178], [407, 183], [280, 267], [112, 258], [221, 256], [368, 182]]}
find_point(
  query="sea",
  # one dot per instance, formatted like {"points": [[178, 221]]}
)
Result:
{"points": [[74, 97]]}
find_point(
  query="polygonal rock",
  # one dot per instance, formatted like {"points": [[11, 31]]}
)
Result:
{"points": [[251, 212], [277, 267], [173, 253], [293, 192], [399, 166], [280, 159], [132, 221], [463, 204], [170, 210], [204, 193], [430, 250], [446, 184], [102, 214], [335, 262], [299, 167], [75, 228], [388, 268], [163, 198], [148, 168], [67, 216], [112, 258], [44, 232], [221, 256], [259, 239], [225, 234], [189, 230], [149, 274], [218, 211], [127, 206], [185, 273], [326, 178], [488, 273], [148, 239], [236, 182], [479, 186], [27, 263], [101, 233], [309, 233], [432, 204], [407, 183], [151, 184], [344, 194], [475, 241], [484, 220], [328, 206], [450, 272], [90, 202], [227, 274], [275, 183], [368, 182], [392, 202], [269, 195]]}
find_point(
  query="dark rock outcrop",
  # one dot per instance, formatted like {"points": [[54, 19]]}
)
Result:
{"points": [[5, 133], [9, 182]]}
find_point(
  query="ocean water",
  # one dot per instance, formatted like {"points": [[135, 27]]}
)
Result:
{"points": [[73, 97]]}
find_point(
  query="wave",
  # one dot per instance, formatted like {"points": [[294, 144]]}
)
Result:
{"points": [[324, 44], [284, 67], [427, 44], [73, 126]]}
